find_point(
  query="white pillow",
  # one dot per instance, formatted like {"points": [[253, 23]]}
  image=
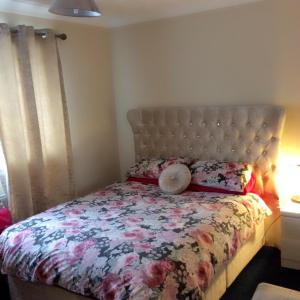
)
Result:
{"points": [[175, 179]]}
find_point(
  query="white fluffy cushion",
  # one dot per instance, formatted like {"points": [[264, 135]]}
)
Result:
{"points": [[266, 291], [175, 179]]}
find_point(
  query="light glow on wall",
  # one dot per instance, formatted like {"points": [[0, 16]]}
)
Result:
{"points": [[288, 176]]}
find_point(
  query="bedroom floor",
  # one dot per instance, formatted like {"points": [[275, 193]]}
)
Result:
{"points": [[265, 266]]}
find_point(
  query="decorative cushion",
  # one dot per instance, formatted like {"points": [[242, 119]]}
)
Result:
{"points": [[234, 177], [175, 179], [5, 218], [152, 168], [265, 291]]}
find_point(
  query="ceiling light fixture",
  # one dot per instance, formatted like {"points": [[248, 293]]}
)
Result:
{"points": [[75, 8]]}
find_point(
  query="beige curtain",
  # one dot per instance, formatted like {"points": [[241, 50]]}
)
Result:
{"points": [[34, 126]]}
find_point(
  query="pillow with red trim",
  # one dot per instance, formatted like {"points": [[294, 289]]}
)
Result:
{"points": [[152, 168], [222, 176]]}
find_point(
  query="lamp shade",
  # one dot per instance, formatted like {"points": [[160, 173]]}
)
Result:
{"points": [[75, 8]]}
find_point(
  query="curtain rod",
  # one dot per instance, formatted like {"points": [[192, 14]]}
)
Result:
{"points": [[44, 34]]}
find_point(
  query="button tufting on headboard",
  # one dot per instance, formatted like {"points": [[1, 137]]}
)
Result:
{"points": [[234, 133]]}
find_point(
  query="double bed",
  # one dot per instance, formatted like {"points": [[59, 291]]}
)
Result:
{"points": [[132, 241]]}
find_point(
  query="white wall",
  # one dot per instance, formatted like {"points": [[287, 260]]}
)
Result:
{"points": [[242, 54], [86, 60]]}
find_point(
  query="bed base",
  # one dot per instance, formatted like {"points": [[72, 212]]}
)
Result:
{"points": [[226, 276], [21, 290]]}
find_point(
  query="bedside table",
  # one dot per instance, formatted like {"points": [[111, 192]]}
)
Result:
{"points": [[290, 236]]}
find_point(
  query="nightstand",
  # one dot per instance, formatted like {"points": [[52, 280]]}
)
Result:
{"points": [[290, 236]]}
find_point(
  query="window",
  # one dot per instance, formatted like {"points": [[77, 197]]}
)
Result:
{"points": [[3, 181]]}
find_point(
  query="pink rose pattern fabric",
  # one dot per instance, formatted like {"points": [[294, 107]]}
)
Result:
{"points": [[152, 168], [132, 241], [231, 176]]}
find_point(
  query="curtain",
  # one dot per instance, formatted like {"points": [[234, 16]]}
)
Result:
{"points": [[34, 126]]}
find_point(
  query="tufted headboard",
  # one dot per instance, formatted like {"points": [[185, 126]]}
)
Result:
{"points": [[233, 133]]}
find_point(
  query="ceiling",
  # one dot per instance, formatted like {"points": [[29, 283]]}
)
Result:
{"points": [[122, 12]]}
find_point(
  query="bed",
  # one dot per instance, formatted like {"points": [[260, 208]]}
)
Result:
{"points": [[233, 133]]}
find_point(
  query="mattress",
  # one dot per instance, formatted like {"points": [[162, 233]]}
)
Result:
{"points": [[130, 240]]}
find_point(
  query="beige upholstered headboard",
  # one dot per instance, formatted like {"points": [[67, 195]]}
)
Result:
{"points": [[234, 133]]}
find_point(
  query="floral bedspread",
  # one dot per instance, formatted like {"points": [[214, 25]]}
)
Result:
{"points": [[132, 241]]}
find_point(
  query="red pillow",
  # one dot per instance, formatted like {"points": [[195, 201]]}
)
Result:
{"points": [[143, 180], [5, 218]]}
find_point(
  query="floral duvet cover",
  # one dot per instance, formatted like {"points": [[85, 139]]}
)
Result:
{"points": [[131, 241]]}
